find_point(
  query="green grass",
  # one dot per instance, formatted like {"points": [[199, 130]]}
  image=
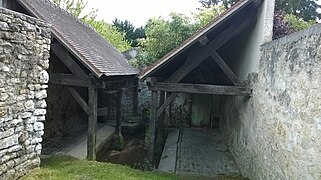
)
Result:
{"points": [[67, 168]]}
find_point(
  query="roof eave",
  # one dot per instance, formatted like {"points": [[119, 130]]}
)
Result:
{"points": [[185, 45]]}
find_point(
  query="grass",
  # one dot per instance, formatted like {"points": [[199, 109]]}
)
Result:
{"points": [[67, 168]]}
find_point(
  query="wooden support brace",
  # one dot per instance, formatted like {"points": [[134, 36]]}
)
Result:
{"points": [[166, 103], [79, 100], [229, 73], [92, 123]]}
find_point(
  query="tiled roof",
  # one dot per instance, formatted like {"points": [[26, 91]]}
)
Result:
{"points": [[196, 36], [82, 41]]}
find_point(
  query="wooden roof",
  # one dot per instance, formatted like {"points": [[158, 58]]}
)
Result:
{"points": [[217, 25], [99, 56]]}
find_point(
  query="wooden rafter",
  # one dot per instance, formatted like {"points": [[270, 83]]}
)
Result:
{"points": [[198, 55], [64, 56]]}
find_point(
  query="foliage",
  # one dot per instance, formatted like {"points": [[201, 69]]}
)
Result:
{"points": [[305, 9], [146, 165], [76, 8], [164, 35], [117, 142], [65, 168], [132, 34], [298, 23], [280, 26], [207, 15]]}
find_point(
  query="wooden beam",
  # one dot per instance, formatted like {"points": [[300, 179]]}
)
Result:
{"points": [[79, 99], [197, 56], [69, 80], [152, 126], [204, 40], [229, 73], [202, 89], [65, 57], [92, 123], [166, 103]]}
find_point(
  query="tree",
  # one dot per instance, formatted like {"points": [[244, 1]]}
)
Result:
{"points": [[111, 34], [164, 35], [132, 33], [305, 9]]}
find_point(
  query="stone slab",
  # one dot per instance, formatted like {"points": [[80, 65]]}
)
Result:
{"points": [[168, 159]]}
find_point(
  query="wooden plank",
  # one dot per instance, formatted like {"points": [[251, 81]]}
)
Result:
{"points": [[202, 89], [118, 111], [92, 123], [167, 102], [197, 56], [65, 57], [79, 100], [152, 126], [69, 80], [227, 70]]}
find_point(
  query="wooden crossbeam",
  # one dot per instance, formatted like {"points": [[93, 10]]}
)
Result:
{"points": [[229, 73], [197, 56], [202, 89], [64, 56], [166, 103], [69, 80], [79, 99]]}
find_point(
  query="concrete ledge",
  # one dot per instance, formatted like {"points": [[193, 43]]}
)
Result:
{"points": [[169, 155]]}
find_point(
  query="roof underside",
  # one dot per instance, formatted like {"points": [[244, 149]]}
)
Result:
{"points": [[177, 57], [83, 42]]}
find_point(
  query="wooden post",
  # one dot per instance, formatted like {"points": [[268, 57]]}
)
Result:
{"points": [[92, 123], [160, 127], [118, 111], [152, 126]]}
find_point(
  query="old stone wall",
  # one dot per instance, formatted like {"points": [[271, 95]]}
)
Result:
{"points": [[276, 133], [24, 54]]}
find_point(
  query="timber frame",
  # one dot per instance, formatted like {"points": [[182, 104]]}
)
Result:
{"points": [[80, 79], [204, 45]]}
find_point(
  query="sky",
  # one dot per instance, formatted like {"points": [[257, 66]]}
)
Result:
{"points": [[139, 11]]}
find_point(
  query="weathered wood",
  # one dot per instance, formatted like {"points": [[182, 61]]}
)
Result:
{"points": [[204, 40], [79, 99], [118, 111], [202, 89], [92, 123], [64, 56], [197, 56], [152, 126], [69, 80], [160, 124], [102, 111], [227, 70], [166, 103]]}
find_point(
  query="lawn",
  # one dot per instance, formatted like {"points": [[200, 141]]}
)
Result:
{"points": [[61, 168]]}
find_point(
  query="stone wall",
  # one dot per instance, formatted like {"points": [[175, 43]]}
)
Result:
{"points": [[24, 54], [276, 133]]}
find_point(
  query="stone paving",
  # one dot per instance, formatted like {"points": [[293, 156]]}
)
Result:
{"points": [[202, 152]]}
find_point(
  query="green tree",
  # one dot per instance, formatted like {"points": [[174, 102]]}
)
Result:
{"points": [[164, 35], [305, 9], [111, 34], [132, 33]]}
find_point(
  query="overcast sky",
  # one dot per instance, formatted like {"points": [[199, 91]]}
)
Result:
{"points": [[139, 11]]}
